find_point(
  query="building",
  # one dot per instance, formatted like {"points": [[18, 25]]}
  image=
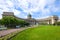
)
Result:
{"points": [[8, 14], [11, 14], [29, 19], [50, 20]]}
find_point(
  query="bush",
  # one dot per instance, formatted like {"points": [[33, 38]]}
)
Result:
{"points": [[58, 23]]}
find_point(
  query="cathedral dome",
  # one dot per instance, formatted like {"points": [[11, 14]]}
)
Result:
{"points": [[29, 16]]}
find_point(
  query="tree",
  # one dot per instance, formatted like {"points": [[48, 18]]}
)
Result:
{"points": [[58, 23], [8, 21], [12, 22]]}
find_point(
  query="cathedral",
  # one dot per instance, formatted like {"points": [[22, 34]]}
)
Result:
{"points": [[50, 20]]}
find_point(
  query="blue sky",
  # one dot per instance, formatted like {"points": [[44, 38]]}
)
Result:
{"points": [[37, 8]]}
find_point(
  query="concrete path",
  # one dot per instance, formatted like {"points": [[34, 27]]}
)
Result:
{"points": [[5, 32]]}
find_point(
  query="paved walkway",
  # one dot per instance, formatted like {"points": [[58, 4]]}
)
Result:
{"points": [[5, 32]]}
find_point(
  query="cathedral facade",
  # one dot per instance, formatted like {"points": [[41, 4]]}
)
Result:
{"points": [[50, 20]]}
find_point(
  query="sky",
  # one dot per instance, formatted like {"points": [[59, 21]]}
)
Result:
{"points": [[37, 8]]}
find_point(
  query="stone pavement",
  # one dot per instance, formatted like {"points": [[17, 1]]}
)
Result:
{"points": [[5, 32]]}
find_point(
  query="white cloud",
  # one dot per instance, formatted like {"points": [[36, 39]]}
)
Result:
{"points": [[29, 6], [9, 3], [16, 12], [1, 13], [36, 5]]}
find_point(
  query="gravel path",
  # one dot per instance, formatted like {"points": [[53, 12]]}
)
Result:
{"points": [[5, 32]]}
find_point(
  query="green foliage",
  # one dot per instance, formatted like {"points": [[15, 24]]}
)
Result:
{"points": [[58, 23], [12, 22]]}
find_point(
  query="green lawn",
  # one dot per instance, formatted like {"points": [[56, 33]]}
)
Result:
{"points": [[39, 33]]}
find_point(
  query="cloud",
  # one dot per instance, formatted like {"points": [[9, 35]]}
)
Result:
{"points": [[37, 8]]}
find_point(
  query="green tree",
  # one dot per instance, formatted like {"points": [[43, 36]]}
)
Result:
{"points": [[58, 23], [12, 22], [8, 21]]}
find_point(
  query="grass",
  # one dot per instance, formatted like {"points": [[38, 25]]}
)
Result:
{"points": [[39, 33]]}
